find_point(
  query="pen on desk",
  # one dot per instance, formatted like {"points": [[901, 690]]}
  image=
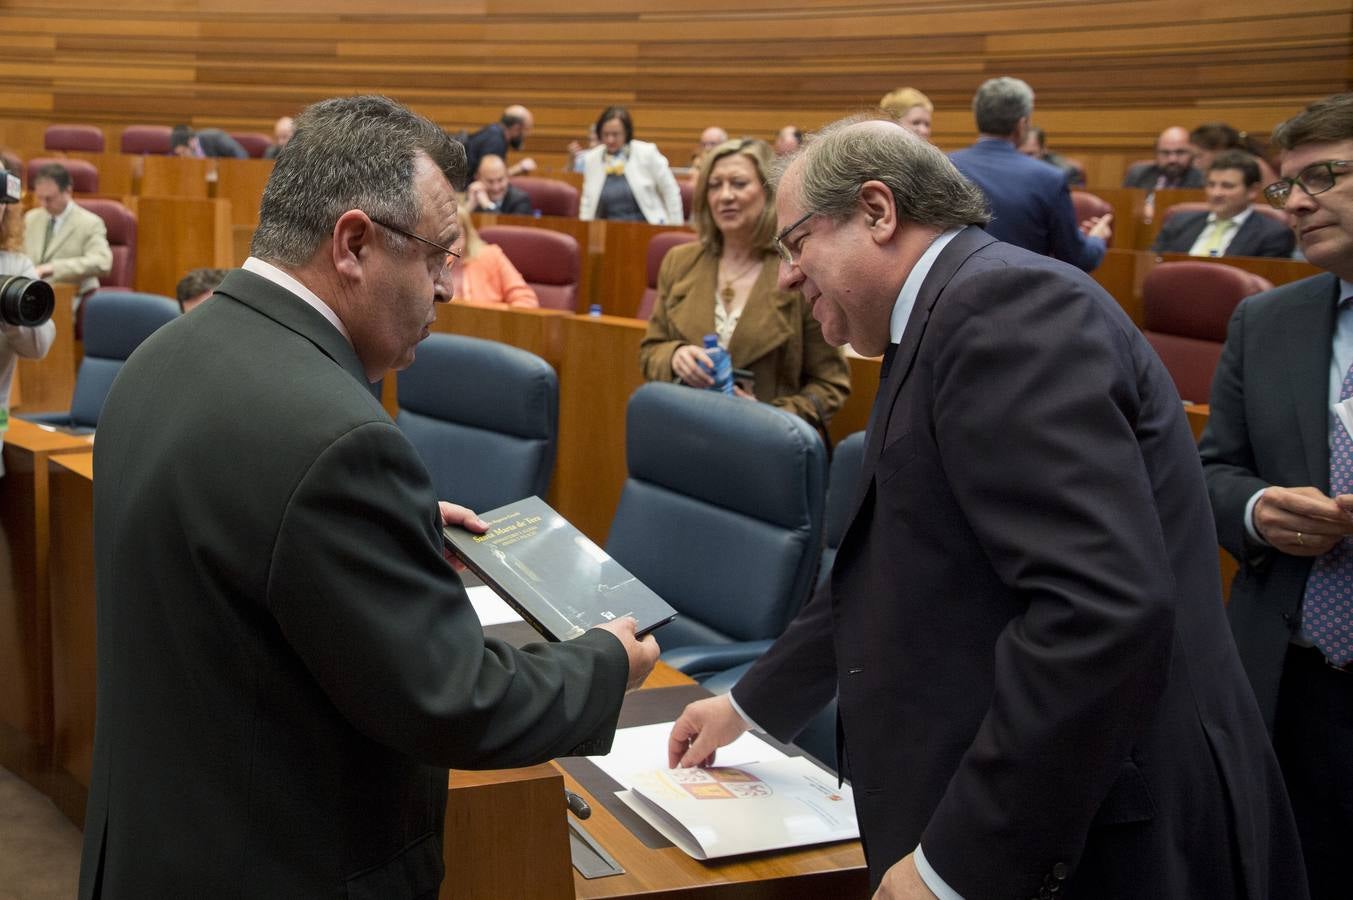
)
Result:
{"points": [[577, 804]]}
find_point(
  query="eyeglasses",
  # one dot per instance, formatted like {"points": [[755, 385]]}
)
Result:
{"points": [[787, 256], [450, 254], [1314, 179]]}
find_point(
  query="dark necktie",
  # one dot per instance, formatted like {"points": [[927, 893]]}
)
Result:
{"points": [[884, 368]]}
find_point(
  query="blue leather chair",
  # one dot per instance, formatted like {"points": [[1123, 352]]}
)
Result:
{"points": [[483, 416], [819, 736], [721, 515], [115, 324]]}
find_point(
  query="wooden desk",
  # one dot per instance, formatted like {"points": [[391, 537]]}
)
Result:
{"points": [[177, 176], [72, 611], [176, 234], [538, 331], [623, 274], [25, 611], [241, 181], [1127, 210], [119, 173]]}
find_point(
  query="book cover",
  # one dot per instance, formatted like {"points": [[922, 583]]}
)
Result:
{"points": [[551, 573], [731, 810]]}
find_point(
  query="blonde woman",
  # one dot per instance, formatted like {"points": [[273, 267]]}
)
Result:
{"points": [[484, 274], [725, 284], [911, 108]]}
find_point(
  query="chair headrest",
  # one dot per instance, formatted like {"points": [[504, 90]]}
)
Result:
{"points": [[116, 322], [1195, 299], [523, 383]]}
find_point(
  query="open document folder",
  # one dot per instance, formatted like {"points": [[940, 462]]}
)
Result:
{"points": [[760, 800]]}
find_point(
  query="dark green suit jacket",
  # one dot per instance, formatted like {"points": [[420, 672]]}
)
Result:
{"points": [[287, 664]]}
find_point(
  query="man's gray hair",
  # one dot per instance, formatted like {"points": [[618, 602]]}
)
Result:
{"points": [[840, 158], [348, 153], [1000, 103]]}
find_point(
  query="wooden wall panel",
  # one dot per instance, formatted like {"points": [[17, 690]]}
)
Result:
{"points": [[1108, 75]]}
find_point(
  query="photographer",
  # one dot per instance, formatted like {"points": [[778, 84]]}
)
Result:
{"points": [[17, 340]]}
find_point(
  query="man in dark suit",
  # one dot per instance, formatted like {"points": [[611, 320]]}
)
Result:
{"points": [[1038, 694], [1030, 203], [508, 133], [493, 191], [209, 142], [1173, 167], [1277, 458], [1229, 227], [287, 663]]}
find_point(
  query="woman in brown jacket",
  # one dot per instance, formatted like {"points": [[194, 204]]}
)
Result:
{"points": [[724, 284]]}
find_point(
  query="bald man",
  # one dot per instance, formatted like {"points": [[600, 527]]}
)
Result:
{"points": [[282, 130], [1173, 167], [493, 191]]}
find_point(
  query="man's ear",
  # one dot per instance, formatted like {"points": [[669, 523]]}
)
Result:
{"points": [[880, 211], [353, 235]]}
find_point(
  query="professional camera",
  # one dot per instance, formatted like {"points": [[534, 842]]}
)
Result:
{"points": [[25, 301], [13, 187]]}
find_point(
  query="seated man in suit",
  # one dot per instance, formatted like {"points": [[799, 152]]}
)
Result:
{"points": [[1030, 204], [1230, 227], [1173, 167], [213, 142], [65, 241], [287, 663], [1277, 461], [493, 191], [282, 130]]}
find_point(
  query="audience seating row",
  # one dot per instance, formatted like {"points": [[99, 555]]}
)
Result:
{"points": [[140, 139]]}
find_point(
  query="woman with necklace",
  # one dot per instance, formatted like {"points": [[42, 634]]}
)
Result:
{"points": [[725, 284], [627, 179]]}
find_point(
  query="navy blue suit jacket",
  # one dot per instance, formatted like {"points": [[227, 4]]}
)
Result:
{"points": [[1258, 236], [1030, 203]]}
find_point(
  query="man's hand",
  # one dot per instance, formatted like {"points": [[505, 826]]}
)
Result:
{"points": [[523, 167], [903, 882], [692, 365], [1302, 521], [643, 654], [477, 196], [45, 270], [704, 726], [452, 514], [1099, 227]]}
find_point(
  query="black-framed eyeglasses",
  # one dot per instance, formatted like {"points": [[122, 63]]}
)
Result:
{"points": [[786, 256], [1314, 179], [450, 254]]}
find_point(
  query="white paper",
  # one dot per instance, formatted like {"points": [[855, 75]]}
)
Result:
{"points": [[491, 609], [1344, 411], [644, 748]]}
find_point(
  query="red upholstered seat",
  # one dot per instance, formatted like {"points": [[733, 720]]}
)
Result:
{"points": [[658, 245], [85, 138], [146, 139], [549, 196], [84, 177], [1091, 206], [1186, 308], [255, 142], [121, 225], [550, 261]]}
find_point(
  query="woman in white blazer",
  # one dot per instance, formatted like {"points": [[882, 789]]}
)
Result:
{"points": [[627, 179]]}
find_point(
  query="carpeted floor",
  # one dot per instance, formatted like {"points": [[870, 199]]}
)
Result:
{"points": [[39, 847]]}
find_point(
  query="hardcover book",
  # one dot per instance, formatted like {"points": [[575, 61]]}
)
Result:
{"points": [[552, 574]]}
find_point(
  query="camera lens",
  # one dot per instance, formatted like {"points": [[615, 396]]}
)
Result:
{"points": [[26, 301]]}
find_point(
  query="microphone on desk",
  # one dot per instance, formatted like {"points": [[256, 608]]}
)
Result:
{"points": [[577, 805]]}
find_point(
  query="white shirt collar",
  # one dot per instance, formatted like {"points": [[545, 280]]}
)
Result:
{"points": [[283, 280], [906, 298], [1239, 218], [58, 221]]}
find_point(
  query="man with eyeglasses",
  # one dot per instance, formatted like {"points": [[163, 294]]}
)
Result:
{"points": [[287, 663], [1278, 456], [1038, 695], [1173, 167]]}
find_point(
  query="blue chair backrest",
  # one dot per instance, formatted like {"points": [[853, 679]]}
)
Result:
{"points": [[721, 514], [116, 322], [842, 482], [483, 416]]}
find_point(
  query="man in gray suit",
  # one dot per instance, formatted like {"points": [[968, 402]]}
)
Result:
{"points": [[287, 663], [65, 241], [1279, 463]]}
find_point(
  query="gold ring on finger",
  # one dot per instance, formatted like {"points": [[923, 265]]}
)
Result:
{"points": [[1301, 542]]}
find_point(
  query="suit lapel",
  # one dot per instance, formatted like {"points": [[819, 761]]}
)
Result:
{"points": [[1190, 234], [1243, 242], [61, 235], [693, 310], [1307, 331], [764, 323], [290, 311]]}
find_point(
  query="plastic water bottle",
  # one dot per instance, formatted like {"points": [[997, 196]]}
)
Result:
{"points": [[723, 365], [594, 309]]}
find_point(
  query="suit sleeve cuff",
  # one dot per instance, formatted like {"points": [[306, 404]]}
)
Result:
{"points": [[1249, 518], [938, 886], [737, 708]]}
